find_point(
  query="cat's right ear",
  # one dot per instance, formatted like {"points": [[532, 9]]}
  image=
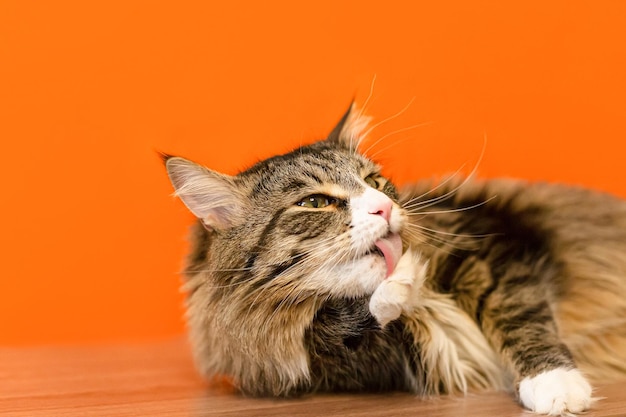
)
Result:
{"points": [[351, 129], [210, 196]]}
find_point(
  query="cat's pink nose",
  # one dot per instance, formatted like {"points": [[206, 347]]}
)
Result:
{"points": [[372, 202], [381, 205]]}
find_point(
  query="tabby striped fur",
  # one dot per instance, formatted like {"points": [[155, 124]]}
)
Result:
{"points": [[519, 280]]}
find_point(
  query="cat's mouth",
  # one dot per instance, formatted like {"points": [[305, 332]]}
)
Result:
{"points": [[390, 248]]}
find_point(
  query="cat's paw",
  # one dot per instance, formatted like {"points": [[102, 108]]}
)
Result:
{"points": [[400, 291], [556, 392]]}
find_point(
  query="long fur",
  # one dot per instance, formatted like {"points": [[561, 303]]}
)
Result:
{"points": [[520, 279]]}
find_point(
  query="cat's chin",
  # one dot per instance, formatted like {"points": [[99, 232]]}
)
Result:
{"points": [[373, 267], [356, 278]]}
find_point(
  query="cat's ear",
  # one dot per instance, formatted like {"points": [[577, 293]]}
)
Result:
{"points": [[212, 197], [351, 129]]}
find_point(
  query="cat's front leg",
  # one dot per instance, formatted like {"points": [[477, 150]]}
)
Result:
{"points": [[519, 322], [400, 291]]}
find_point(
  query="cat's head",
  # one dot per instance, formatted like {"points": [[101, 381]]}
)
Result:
{"points": [[319, 219]]}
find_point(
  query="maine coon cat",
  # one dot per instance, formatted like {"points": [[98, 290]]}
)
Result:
{"points": [[310, 271]]}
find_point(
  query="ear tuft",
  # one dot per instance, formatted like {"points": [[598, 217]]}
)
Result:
{"points": [[210, 196], [164, 156], [351, 129]]}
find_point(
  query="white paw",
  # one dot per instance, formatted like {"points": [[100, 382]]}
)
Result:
{"points": [[400, 291], [557, 392]]}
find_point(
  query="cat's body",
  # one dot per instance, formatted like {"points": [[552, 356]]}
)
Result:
{"points": [[298, 280]]}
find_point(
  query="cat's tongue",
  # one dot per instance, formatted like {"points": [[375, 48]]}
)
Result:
{"points": [[391, 247]]}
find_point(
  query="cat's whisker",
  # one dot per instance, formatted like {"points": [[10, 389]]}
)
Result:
{"points": [[410, 205], [429, 239], [396, 143], [435, 200], [321, 254], [363, 108], [441, 232], [195, 271], [424, 240], [455, 210], [374, 126], [295, 291], [240, 282], [236, 282], [319, 245], [439, 185]]}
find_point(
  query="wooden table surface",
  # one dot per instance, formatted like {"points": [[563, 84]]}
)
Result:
{"points": [[158, 379]]}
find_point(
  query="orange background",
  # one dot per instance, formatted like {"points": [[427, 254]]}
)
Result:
{"points": [[92, 242]]}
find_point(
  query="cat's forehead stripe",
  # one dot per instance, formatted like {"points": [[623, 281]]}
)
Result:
{"points": [[334, 190], [309, 168], [319, 152]]}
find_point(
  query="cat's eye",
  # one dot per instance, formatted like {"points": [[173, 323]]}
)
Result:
{"points": [[372, 182], [317, 201]]}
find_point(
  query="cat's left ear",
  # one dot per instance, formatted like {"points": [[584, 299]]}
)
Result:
{"points": [[212, 197], [351, 129]]}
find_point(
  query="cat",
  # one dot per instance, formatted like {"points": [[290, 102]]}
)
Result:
{"points": [[310, 271]]}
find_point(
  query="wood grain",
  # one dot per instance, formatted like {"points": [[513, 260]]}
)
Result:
{"points": [[158, 379]]}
